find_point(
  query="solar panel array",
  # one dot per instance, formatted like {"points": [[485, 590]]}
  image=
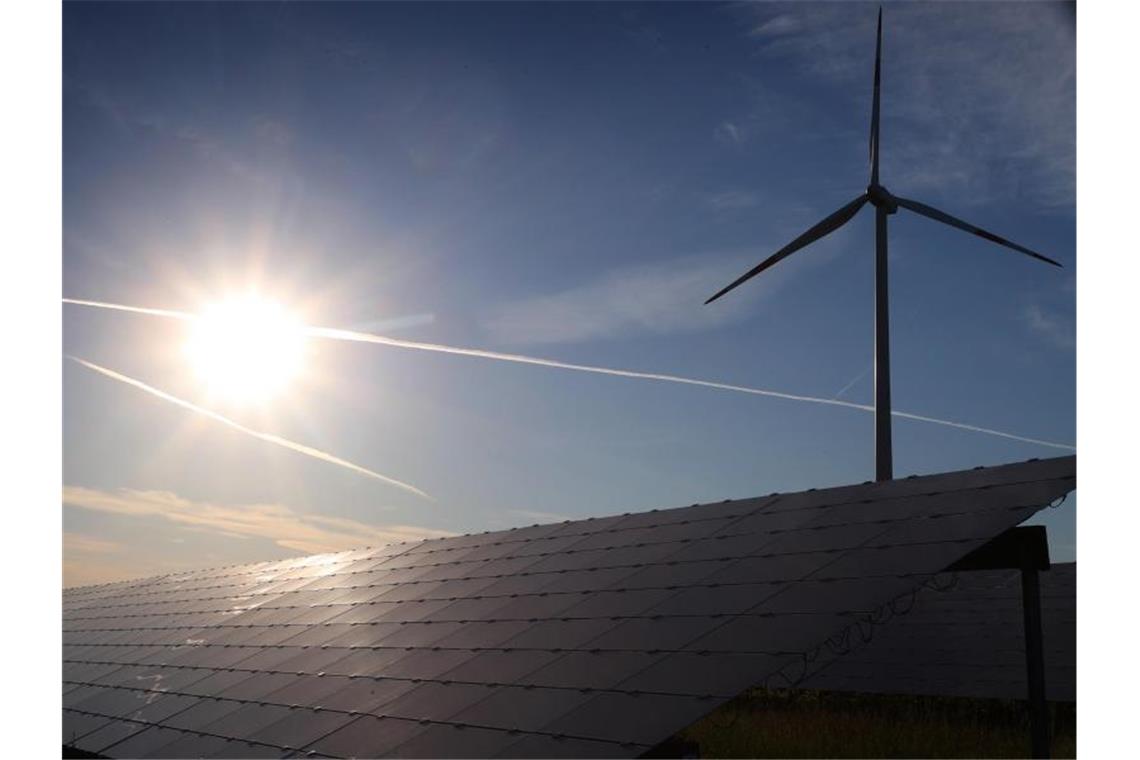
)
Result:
{"points": [[588, 638], [966, 640]]}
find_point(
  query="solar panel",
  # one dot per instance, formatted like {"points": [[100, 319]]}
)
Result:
{"points": [[588, 638], [967, 640]]}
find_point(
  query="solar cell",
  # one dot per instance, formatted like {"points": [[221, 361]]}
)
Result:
{"points": [[144, 743], [508, 666], [76, 725], [426, 663], [776, 634], [257, 685], [72, 697], [540, 745], [214, 682], [367, 736], [560, 633], [115, 731], [591, 670], [483, 634], [521, 708], [189, 745], [654, 634], [367, 695], [717, 674], [717, 600], [202, 714], [362, 662], [247, 720], [528, 606], [439, 739], [302, 728], [589, 638], [631, 717], [437, 701], [307, 690], [243, 749]]}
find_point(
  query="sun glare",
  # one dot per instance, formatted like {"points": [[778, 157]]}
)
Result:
{"points": [[246, 350]]}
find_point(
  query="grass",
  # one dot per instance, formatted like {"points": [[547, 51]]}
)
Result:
{"points": [[803, 723]]}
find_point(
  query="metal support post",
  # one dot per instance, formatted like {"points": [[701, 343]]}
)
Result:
{"points": [[1035, 662]]}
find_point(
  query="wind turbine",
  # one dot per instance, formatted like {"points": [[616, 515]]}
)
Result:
{"points": [[885, 204]]}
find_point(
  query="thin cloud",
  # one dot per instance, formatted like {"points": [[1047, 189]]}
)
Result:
{"points": [[627, 301], [1055, 329], [88, 560], [273, 131], [335, 334], [729, 133], [267, 437], [134, 118], [950, 133], [80, 543], [777, 26], [397, 323], [540, 517], [733, 200], [312, 534]]}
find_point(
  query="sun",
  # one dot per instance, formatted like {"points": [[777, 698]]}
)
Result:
{"points": [[246, 350]]}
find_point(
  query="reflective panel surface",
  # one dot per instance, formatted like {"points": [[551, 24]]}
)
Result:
{"points": [[588, 638]]}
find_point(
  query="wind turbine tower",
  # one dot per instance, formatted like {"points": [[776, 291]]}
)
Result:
{"points": [[885, 204]]}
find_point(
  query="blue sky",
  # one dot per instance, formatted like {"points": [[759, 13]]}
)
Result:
{"points": [[563, 181]]}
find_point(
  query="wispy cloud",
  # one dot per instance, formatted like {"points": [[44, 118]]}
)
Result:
{"points": [[396, 323], [136, 118], [777, 26], [80, 543], [1053, 327], [979, 102], [733, 200], [301, 532], [335, 334], [273, 131], [660, 298], [729, 133], [300, 448], [89, 559], [540, 517]]}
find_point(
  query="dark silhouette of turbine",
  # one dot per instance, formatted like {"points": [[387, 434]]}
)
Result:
{"points": [[885, 204]]}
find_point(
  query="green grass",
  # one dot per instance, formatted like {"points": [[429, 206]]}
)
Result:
{"points": [[804, 723]]}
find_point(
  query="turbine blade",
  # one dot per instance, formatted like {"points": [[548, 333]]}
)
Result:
{"points": [[940, 216], [825, 227], [874, 141]]}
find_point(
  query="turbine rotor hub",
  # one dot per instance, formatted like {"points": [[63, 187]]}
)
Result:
{"points": [[880, 197]]}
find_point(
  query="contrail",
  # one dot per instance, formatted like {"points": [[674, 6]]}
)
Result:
{"points": [[328, 332], [854, 380], [268, 437], [361, 337], [133, 309]]}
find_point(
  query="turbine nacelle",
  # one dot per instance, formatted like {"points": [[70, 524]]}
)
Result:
{"points": [[880, 197]]}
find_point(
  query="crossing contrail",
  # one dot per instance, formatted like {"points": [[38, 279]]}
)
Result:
{"points": [[300, 448], [133, 309], [361, 337]]}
